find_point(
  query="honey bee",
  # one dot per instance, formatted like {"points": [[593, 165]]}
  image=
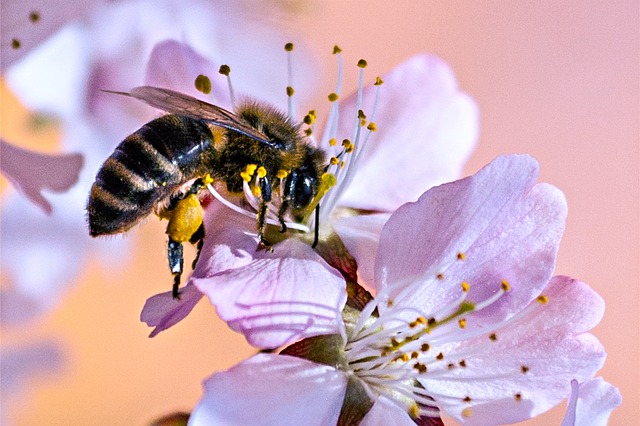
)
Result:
{"points": [[163, 166]]}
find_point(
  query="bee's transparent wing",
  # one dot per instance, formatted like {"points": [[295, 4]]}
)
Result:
{"points": [[178, 103]]}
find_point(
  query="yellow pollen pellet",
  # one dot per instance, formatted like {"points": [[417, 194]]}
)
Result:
{"points": [[362, 63], [224, 70], [308, 131], [333, 97], [542, 299], [465, 286], [255, 190], [334, 161], [333, 142], [378, 82], [505, 285], [372, 126], [281, 174], [203, 84], [207, 179], [467, 412], [288, 47], [462, 322], [250, 169], [336, 49], [461, 256], [290, 91], [262, 172], [425, 347]]}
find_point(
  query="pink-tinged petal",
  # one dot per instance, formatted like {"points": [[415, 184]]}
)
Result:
{"points": [[529, 361], [31, 172], [272, 390], [385, 412], [175, 65], [591, 403], [360, 235], [163, 311], [492, 227], [271, 297], [426, 131], [26, 24]]}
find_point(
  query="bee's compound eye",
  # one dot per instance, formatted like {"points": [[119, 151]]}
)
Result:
{"points": [[303, 193]]}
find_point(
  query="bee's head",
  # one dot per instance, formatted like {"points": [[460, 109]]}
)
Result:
{"points": [[301, 185]]}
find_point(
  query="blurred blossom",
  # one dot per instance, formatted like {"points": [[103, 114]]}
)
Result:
{"points": [[591, 403], [418, 131], [70, 52], [467, 319], [20, 365], [31, 172]]}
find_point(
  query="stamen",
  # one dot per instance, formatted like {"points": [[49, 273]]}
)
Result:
{"points": [[291, 106], [226, 70], [203, 84]]}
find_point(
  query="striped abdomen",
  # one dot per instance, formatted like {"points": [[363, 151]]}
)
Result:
{"points": [[145, 169]]}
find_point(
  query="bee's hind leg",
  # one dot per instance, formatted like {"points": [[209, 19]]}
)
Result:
{"points": [[265, 191], [198, 239], [176, 264]]}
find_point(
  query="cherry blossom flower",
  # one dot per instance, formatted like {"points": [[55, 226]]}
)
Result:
{"points": [[467, 319], [426, 128], [68, 54], [591, 403]]}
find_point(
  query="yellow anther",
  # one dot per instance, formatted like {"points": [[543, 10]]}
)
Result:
{"points": [[517, 396], [313, 113], [342, 163], [363, 122], [493, 337], [440, 276], [256, 191], [245, 176], [34, 16], [15, 43], [440, 356], [336, 49], [372, 126], [461, 256], [334, 161], [463, 363], [207, 179], [378, 82], [505, 285], [467, 399], [224, 70], [414, 411], [250, 169], [290, 91], [361, 115], [524, 369], [288, 47], [420, 367], [462, 322], [333, 97], [309, 119], [362, 63], [348, 146], [262, 172], [467, 412], [415, 355], [281, 174], [465, 286], [203, 84], [308, 131], [542, 299], [333, 142]]}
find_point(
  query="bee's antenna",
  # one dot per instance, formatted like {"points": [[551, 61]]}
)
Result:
{"points": [[226, 70], [291, 106]]}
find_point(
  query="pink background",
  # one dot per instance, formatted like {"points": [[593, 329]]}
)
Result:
{"points": [[558, 80]]}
